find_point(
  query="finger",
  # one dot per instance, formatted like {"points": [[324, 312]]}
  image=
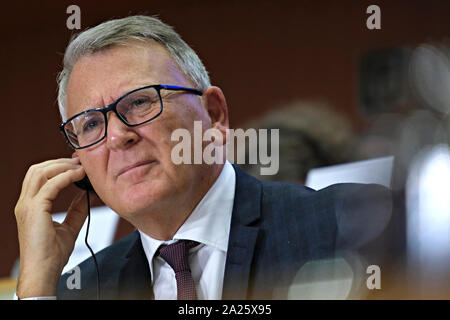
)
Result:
{"points": [[45, 174], [53, 186], [51, 162], [76, 214], [34, 179], [42, 176]]}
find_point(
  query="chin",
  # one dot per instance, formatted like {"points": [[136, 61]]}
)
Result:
{"points": [[140, 198]]}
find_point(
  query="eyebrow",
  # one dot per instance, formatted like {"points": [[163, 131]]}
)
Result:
{"points": [[122, 90]]}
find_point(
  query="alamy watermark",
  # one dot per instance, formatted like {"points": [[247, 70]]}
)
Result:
{"points": [[374, 20], [74, 280], [192, 150], [74, 20], [374, 280]]}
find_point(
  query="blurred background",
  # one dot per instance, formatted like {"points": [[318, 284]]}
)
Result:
{"points": [[341, 94]]}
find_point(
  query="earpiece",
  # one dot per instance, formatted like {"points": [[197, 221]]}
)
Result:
{"points": [[85, 184]]}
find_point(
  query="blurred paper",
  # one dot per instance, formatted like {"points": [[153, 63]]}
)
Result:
{"points": [[377, 171]]}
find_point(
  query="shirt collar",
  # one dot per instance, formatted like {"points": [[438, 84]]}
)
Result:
{"points": [[209, 222]]}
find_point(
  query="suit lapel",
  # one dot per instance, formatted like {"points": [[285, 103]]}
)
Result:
{"points": [[128, 274], [243, 236]]}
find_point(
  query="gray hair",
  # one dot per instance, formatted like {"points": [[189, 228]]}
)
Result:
{"points": [[120, 32]]}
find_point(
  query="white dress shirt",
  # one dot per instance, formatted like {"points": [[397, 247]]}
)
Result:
{"points": [[208, 224]]}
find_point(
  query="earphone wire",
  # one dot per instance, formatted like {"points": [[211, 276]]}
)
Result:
{"points": [[87, 244]]}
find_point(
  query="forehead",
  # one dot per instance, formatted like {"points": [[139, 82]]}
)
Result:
{"points": [[100, 78]]}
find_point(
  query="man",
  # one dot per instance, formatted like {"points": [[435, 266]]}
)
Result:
{"points": [[246, 238]]}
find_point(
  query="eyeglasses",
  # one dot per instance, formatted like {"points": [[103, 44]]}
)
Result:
{"points": [[133, 109]]}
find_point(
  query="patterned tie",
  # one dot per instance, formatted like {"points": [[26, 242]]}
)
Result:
{"points": [[176, 255]]}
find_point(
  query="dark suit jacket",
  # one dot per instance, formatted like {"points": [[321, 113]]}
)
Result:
{"points": [[275, 229]]}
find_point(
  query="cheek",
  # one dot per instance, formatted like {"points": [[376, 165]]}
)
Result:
{"points": [[160, 135], [95, 162]]}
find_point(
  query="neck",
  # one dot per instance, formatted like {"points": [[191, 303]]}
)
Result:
{"points": [[164, 220]]}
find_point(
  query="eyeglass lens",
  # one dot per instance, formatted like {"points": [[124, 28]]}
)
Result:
{"points": [[135, 108]]}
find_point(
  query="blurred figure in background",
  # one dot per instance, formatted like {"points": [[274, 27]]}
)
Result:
{"points": [[311, 135]]}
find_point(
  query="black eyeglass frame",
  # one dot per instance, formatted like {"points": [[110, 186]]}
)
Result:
{"points": [[113, 107]]}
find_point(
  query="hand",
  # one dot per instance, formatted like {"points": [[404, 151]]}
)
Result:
{"points": [[45, 245]]}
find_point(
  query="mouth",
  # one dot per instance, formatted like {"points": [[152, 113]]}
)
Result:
{"points": [[134, 166]]}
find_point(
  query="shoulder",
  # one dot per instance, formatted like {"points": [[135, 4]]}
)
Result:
{"points": [[337, 196], [336, 217], [291, 190]]}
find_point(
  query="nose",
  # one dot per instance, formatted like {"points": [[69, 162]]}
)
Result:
{"points": [[119, 135]]}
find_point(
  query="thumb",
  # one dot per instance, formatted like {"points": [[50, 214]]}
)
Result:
{"points": [[77, 213]]}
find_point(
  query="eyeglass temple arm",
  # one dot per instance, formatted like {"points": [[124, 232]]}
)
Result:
{"points": [[177, 88]]}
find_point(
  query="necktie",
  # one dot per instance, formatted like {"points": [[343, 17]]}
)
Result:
{"points": [[176, 255]]}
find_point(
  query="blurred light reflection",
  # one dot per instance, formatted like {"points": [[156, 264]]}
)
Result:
{"points": [[428, 216]]}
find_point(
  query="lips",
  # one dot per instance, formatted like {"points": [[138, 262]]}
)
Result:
{"points": [[133, 166]]}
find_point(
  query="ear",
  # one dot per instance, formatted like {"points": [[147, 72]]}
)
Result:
{"points": [[216, 107]]}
